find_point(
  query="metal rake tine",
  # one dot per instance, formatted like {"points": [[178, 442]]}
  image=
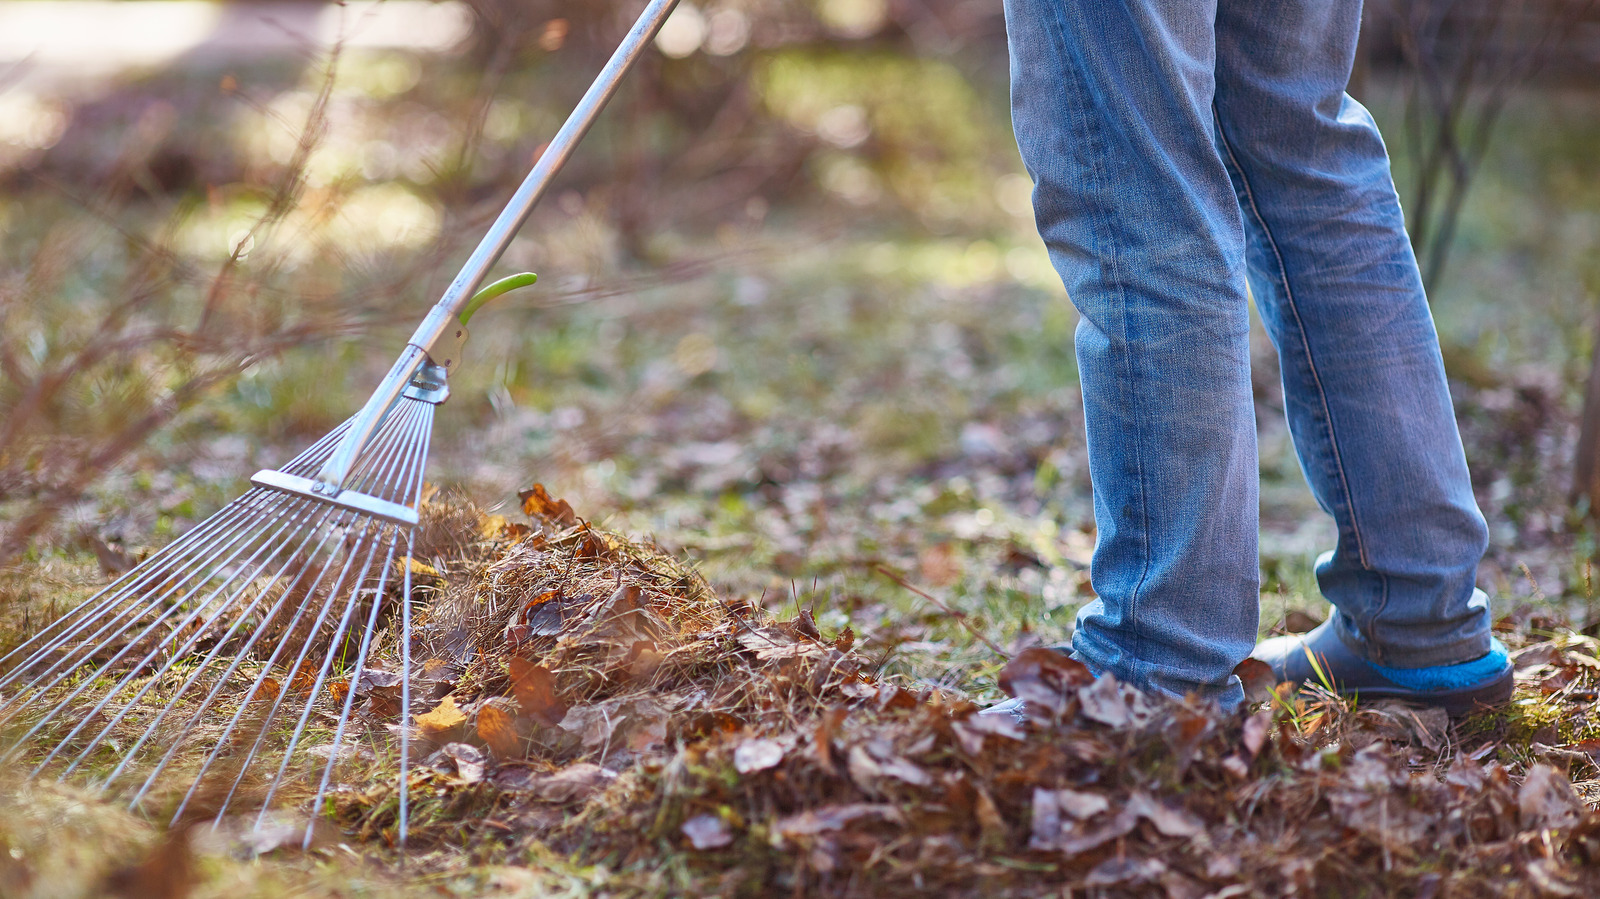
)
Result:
{"points": [[166, 555], [247, 532], [277, 703], [272, 712], [87, 652], [171, 553], [175, 654], [223, 679], [201, 668], [86, 649], [405, 691], [410, 472], [327, 662], [322, 676], [233, 723], [134, 579], [373, 469], [350, 695], [270, 502]]}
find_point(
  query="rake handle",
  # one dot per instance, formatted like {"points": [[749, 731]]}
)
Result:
{"points": [[442, 322]]}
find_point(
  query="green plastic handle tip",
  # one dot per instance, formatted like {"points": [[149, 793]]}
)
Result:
{"points": [[498, 288]]}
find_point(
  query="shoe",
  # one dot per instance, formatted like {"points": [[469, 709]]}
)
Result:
{"points": [[1484, 682]]}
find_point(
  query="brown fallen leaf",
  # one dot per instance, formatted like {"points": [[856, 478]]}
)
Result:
{"points": [[537, 503], [544, 615], [1102, 701], [470, 761], [757, 755], [574, 783], [1124, 871], [1256, 728], [832, 818], [706, 831], [822, 740], [535, 689], [1257, 678], [634, 724], [1547, 800], [1043, 677], [1082, 806], [643, 659], [1170, 821], [497, 728]]}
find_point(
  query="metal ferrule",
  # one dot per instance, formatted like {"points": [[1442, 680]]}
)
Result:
{"points": [[429, 385]]}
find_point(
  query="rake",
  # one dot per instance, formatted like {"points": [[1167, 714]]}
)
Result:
{"points": [[242, 633]]}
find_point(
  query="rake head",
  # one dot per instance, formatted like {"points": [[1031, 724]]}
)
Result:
{"points": [[239, 644]]}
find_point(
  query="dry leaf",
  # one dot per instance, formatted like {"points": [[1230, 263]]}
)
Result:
{"points": [[634, 724], [832, 818], [1082, 806], [536, 503], [642, 660], [1256, 728], [939, 565], [168, 872], [1102, 701], [535, 689], [470, 761], [822, 740], [1257, 678], [574, 783], [1114, 871], [1043, 678], [757, 755], [707, 832], [1172, 822], [1547, 800], [444, 718], [497, 728], [544, 615], [267, 689]]}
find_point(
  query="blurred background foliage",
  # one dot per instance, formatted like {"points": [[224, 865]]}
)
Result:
{"points": [[793, 317]]}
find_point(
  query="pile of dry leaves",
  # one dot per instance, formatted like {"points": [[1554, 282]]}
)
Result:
{"points": [[593, 697]]}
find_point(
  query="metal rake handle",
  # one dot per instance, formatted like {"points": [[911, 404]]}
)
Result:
{"points": [[442, 332]]}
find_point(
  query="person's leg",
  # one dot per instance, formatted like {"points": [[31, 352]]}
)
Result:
{"points": [[1335, 280], [1111, 104]]}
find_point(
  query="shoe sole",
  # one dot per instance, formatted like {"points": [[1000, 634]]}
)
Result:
{"points": [[1456, 703]]}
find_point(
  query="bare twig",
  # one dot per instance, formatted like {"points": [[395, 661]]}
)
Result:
{"points": [[959, 616]]}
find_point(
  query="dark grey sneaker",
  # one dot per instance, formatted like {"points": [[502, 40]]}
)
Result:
{"points": [[1484, 682]]}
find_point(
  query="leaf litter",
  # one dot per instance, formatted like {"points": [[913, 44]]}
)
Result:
{"points": [[644, 721], [662, 718]]}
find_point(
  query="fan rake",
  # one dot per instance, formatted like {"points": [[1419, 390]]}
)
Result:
{"points": [[246, 638]]}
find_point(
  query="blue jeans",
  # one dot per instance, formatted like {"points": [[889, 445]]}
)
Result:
{"points": [[1181, 151]]}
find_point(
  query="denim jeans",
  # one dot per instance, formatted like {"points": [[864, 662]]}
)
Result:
{"points": [[1181, 151]]}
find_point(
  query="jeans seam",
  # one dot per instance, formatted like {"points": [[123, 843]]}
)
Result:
{"points": [[1086, 128], [1322, 394]]}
